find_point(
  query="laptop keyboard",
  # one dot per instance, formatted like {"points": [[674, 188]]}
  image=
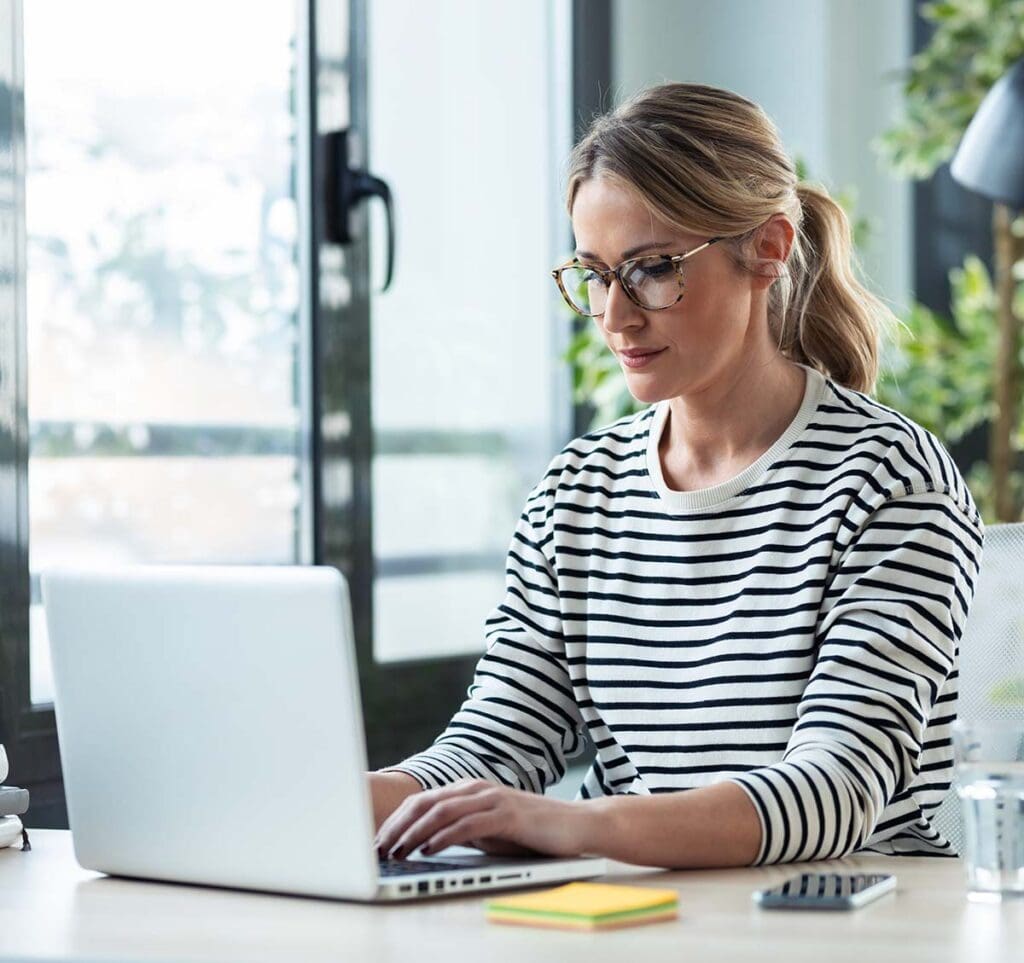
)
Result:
{"points": [[406, 867]]}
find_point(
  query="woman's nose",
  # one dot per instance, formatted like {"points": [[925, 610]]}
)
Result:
{"points": [[619, 312]]}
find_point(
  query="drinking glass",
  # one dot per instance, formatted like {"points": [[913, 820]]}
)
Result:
{"points": [[990, 784]]}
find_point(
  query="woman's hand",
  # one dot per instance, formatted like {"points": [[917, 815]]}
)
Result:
{"points": [[496, 819]]}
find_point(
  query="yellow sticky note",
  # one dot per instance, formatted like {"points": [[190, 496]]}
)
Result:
{"points": [[587, 906]]}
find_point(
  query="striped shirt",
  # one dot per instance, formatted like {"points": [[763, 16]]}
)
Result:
{"points": [[794, 629]]}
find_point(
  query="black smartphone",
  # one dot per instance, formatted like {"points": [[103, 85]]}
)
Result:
{"points": [[827, 891]]}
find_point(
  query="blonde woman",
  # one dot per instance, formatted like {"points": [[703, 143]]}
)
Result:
{"points": [[749, 596]]}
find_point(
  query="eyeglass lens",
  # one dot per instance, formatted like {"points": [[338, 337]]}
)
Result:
{"points": [[654, 282]]}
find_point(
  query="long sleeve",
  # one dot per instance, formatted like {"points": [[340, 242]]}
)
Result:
{"points": [[520, 721], [890, 625]]}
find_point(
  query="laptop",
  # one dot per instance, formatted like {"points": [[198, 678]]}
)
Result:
{"points": [[211, 732]]}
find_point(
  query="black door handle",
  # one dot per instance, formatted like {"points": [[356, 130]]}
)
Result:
{"points": [[344, 188]]}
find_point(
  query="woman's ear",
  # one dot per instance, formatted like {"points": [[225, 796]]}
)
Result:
{"points": [[772, 244]]}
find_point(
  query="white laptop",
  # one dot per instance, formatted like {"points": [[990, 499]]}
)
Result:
{"points": [[211, 732]]}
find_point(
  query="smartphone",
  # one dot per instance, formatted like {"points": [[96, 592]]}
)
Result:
{"points": [[827, 891]]}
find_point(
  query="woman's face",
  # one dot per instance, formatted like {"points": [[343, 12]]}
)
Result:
{"points": [[680, 350]]}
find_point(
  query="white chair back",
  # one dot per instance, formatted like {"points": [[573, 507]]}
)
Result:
{"points": [[991, 650]]}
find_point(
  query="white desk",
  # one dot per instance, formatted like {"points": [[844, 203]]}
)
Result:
{"points": [[50, 907]]}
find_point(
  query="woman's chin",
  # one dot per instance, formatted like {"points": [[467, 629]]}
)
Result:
{"points": [[646, 391]]}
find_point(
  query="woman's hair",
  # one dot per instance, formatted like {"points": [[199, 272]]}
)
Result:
{"points": [[708, 161]]}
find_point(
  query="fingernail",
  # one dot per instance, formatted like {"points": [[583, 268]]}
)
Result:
{"points": [[426, 850], [397, 853]]}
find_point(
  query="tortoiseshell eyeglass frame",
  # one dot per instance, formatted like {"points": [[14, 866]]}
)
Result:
{"points": [[618, 271]]}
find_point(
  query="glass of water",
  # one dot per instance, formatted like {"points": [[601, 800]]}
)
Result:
{"points": [[990, 784]]}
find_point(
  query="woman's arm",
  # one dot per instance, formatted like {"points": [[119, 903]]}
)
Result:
{"points": [[388, 791], [711, 826], [891, 620]]}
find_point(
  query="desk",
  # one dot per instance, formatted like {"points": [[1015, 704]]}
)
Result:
{"points": [[51, 907]]}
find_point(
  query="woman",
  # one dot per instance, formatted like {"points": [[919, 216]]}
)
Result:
{"points": [[754, 589]]}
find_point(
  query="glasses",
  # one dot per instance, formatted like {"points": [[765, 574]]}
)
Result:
{"points": [[652, 282]]}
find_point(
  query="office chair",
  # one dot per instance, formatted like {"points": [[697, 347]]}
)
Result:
{"points": [[991, 651]]}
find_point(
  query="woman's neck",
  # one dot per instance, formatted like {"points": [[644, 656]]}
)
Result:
{"points": [[715, 433]]}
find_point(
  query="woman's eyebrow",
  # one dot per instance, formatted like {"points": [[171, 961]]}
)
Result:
{"points": [[650, 246]]}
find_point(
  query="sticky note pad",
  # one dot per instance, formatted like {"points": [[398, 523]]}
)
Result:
{"points": [[586, 906]]}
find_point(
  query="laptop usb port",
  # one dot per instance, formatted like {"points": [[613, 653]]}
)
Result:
{"points": [[423, 887], [485, 879], [405, 888]]}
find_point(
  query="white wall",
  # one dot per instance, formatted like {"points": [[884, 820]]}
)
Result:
{"points": [[819, 69]]}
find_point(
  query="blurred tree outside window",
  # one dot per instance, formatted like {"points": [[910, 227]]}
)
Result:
{"points": [[163, 289]]}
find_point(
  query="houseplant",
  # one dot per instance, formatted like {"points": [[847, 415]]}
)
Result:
{"points": [[973, 44]]}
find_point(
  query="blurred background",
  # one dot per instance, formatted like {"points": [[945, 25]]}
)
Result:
{"points": [[207, 357]]}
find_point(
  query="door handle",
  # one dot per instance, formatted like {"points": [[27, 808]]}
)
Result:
{"points": [[344, 188]]}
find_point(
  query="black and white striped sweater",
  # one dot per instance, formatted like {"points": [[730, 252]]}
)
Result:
{"points": [[794, 629]]}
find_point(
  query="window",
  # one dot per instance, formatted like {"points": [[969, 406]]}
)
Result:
{"points": [[194, 372], [163, 289]]}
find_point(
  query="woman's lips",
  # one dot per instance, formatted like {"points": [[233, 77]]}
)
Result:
{"points": [[639, 358]]}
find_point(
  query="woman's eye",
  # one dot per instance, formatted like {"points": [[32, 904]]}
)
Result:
{"points": [[660, 269]]}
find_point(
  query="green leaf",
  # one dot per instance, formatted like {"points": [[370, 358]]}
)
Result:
{"points": [[939, 11]]}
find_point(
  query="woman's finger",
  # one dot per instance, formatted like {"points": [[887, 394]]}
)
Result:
{"points": [[429, 819], [413, 807], [472, 826], [443, 813]]}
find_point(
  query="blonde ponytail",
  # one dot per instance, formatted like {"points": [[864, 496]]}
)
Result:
{"points": [[822, 315]]}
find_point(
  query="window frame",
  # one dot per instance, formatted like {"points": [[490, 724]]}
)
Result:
{"points": [[405, 704], [29, 732]]}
